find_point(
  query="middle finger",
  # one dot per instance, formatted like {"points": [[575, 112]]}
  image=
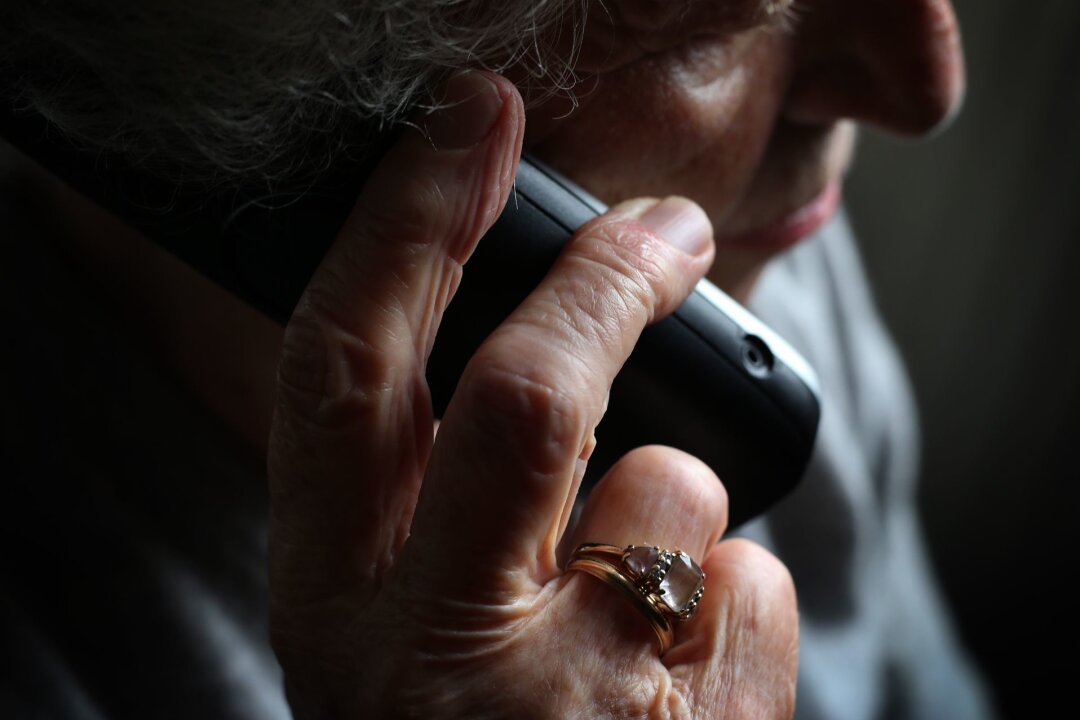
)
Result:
{"points": [[502, 471]]}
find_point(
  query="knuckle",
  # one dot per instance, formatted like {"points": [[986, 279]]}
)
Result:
{"points": [[682, 476], [524, 412], [328, 378], [592, 314], [301, 367], [629, 264], [647, 458], [409, 215]]}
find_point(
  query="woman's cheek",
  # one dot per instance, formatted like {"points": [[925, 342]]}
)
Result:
{"points": [[694, 122]]}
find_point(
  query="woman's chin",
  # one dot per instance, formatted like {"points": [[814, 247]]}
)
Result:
{"points": [[789, 228]]}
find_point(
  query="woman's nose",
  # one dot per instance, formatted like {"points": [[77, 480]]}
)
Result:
{"points": [[895, 64]]}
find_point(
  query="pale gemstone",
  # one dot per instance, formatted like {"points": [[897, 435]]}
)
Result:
{"points": [[681, 582], [640, 560]]}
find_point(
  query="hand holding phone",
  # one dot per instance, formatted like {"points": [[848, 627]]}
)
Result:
{"points": [[710, 380], [400, 564], [380, 539]]}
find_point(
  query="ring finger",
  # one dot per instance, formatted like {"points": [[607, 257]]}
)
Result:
{"points": [[654, 496]]}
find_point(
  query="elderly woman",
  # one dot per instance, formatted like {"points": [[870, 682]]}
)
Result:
{"points": [[419, 577]]}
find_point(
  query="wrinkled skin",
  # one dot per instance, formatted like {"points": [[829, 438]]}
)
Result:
{"points": [[421, 578], [717, 102], [411, 579]]}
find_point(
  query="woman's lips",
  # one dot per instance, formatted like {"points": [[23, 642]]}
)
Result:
{"points": [[789, 230]]}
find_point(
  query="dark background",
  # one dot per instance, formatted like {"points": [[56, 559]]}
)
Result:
{"points": [[973, 244]]}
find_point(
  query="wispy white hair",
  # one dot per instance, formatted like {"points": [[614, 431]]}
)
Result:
{"points": [[212, 91]]}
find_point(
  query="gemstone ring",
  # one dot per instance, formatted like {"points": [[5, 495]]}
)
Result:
{"points": [[664, 585]]}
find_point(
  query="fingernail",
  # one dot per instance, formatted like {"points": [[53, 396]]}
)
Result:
{"points": [[682, 223], [470, 105]]}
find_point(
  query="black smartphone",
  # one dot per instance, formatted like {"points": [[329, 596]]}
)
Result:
{"points": [[711, 379]]}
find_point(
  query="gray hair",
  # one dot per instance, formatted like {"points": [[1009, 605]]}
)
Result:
{"points": [[270, 91]]}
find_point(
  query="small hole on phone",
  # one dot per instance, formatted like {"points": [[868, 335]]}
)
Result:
{"points": [[756, 355]]}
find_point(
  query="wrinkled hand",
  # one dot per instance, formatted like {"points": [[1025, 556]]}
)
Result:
{"points": [[421, 578]]}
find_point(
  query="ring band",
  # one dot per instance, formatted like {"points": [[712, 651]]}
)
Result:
{"points": [[664, 585]]}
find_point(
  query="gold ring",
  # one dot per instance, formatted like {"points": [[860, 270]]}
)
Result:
{"points": [[665, 585]]}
